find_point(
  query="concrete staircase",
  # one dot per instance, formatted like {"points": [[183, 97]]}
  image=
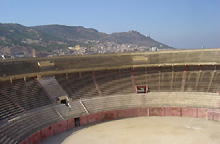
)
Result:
{"points": [[133, 80], [52, 87], [96, 85]]}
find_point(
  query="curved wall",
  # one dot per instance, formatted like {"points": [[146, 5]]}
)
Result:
{"points": [[98, 117]]}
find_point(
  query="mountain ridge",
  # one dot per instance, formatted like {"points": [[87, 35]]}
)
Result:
{"points": [[53, 30], [56, 39]]}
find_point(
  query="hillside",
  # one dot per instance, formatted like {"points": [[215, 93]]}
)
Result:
{"points": [[83, 34], [72, 32], [16, 39], [134, 37]]}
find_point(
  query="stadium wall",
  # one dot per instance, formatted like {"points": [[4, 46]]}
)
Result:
{"points": [[69, 124]]}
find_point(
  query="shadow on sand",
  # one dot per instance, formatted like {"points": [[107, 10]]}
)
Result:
{"points": [[60, 137]]}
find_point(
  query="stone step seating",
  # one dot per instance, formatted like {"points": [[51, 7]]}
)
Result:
{"points": [[110, 84], [13, 90], [28, 67], [96, 85], [125, 75], [214, 87], [140, 76], [100, 104], [73, 85], [8, 107], [121, 60], [4, 139], [165, 81], [183, 99], [101, 79], [215, 83], [52, 87], [80, 90], [25, 95], [140, 79], [74, 110], [37, 96], [67, 85], [22, 126], [19, 68], [177, 81], [29, 94], [99, 61], [153, 82], [89, 84], [204, 81]]}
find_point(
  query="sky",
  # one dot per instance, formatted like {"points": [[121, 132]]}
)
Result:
{"points": [[178, 23]]}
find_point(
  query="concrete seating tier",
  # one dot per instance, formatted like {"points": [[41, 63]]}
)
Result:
{"points": [[7, 139], [104, 90], [113, 84], [18, 67], [183, 99], [89, 85], [140, 76], [8, 107], [125, 75], [20, 127], [77, 87], [153, 99], [68, 85], [214, 87], [24, 125], [157, 79], [21, 96], [100, 104], [102, 79], [74, 110]]}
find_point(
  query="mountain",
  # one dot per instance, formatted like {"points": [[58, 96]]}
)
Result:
{"points": [[83, 34], [134, 37], [72, 32], [16, 39]]}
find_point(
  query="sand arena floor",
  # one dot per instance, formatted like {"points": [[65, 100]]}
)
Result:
{"points": [[142, 130]]}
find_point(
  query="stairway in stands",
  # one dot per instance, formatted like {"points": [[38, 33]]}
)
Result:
{"points": [[133, 80], [52, 87], [96, 85]]}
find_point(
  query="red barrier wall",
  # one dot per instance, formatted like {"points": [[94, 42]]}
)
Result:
{"points": [[71, 123], [140, 112], [109, 115], [189, 112], [215, 117], [212, 115], [83, 120], [201, 113], [172, 111], [158, 111], [47, 132], [96, 117], [26, 141], [35, 138], [125, 113], [60, 127]]}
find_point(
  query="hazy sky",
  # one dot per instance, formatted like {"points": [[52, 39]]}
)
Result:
{"points": [[177, 23]]}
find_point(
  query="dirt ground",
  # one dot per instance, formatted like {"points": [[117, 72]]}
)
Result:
{"points": [[142, 130]]}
